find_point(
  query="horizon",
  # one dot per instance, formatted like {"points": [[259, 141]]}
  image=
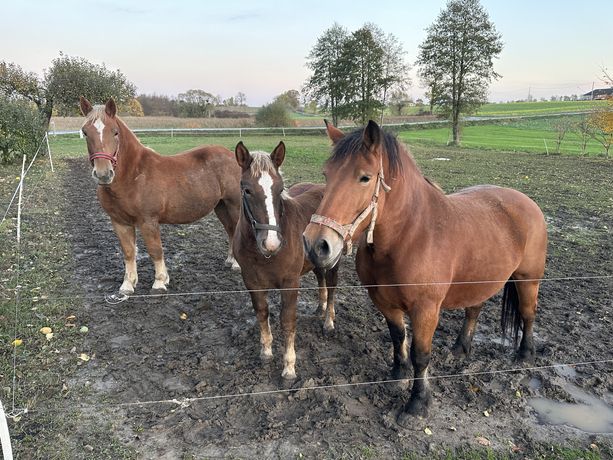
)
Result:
{"points": [[550, 48]]}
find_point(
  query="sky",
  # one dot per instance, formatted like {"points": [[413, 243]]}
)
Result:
{"points": [[260, 47]]}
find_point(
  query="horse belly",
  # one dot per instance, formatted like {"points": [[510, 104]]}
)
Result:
{"points": [[468, 295]]}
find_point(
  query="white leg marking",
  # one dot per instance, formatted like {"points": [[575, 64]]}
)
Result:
{"points": [[289, 359], [130, 277], [272, 241], [266, 341], [161, 276], [404, 348]]}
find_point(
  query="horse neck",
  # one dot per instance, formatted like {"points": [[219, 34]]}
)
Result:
{"points": [[130, 149], [412, 202]]}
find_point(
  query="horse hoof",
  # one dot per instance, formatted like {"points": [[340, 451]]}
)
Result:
{"points": [[266, 357], [459, 351], [525, 356], [158, 290], [288, 376], [127, 292], [415, 408], [329, 331]]}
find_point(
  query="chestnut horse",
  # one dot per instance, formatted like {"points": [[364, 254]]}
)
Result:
{"points": [[424, 251], [139, 188], [268, 246]]}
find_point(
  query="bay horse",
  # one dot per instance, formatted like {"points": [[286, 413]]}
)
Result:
{"points": [[420, 251], [268, 246], [138, 188]]}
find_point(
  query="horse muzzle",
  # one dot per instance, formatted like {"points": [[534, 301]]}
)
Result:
{"points": [[105, 178], [323, 248]]}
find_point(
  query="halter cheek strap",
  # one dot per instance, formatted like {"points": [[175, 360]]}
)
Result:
{"points": [[103, 156], [254, 223], [346, 231]]}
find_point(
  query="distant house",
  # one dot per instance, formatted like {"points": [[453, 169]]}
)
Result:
{"points": [[597, 94]]}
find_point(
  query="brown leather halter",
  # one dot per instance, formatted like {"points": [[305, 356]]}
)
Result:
{"points": [[346, 231]]}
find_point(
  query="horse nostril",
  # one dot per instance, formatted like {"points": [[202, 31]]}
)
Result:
{"points": [[322, 248]]}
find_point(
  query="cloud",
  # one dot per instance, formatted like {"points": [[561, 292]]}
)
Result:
{"points": [[245, 16]]}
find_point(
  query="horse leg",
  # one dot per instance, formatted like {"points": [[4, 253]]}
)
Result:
{"points": [[289, 298], [260, 306], [398, 333], [463, 343], [228, 219], [423, 323], [331, 282], [127, 240], [322, 292], [528, 293], [151, 234]]}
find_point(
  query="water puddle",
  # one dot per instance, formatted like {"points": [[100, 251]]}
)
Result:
{"points": [[588, 413]]}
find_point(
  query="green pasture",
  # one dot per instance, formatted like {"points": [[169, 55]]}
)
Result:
{"points": [[537, 108], [537, 136]]}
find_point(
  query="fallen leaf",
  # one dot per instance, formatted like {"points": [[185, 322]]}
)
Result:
{"points": [[84, 330], [183, 316], [17, 342], [483, 441], [45, 330], [428, 431], [518, 394], [49, 336], [84, 357], [71, 318], [452, 428], [486, 413]]}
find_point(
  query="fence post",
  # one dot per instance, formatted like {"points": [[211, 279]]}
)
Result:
{"points": [[546, 149], [49, 151]]}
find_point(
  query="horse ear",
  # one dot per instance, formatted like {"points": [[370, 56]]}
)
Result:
{"points": [[110, 108], [334, 133], [243, 157], [85, 106], [372, 135], [278, 155]]}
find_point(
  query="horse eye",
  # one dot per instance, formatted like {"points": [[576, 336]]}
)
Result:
{"points": [[365, 179], [116, 132], [246, 191]]}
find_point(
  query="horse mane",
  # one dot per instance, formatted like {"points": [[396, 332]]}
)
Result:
{"points": [[352, 143], [97, 112], [261, 163]]}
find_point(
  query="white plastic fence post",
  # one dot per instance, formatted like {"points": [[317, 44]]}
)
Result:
{"points": [[546, 149], [49, 151], [5, 437], [23, 169]]}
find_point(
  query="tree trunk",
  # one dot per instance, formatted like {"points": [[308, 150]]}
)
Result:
{"points": [[455, 126]]}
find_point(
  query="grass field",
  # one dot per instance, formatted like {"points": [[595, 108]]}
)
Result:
{"points": [[537, 136]]}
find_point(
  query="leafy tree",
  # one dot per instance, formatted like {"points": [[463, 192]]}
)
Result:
{"points": [[273, 115], [601, 122], [158, 105], [398, 100], [240, 99], [63, 83], [70, 77], [363, 61], [395, 68], [16, 83], [353, 74], [197, 103], [290, 98], [21, 129], [328, 84], [457, 55]]}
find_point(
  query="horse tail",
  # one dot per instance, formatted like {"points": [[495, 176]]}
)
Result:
{"points": [[511, 318]]}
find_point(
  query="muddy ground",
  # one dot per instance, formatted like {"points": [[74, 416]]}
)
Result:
{"points": [[142, 350]]}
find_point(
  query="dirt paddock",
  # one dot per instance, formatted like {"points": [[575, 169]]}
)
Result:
{"points": [[142, 351]]}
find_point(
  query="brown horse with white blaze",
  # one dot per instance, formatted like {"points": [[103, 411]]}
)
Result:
{"points": [[268, 246], [139, 188], [424, 251]]}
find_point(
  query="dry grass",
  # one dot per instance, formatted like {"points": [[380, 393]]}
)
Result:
{"points": [[75, 123]]}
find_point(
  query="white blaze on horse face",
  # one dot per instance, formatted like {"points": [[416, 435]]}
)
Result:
{"points": [[99, 125], [272, 241]]}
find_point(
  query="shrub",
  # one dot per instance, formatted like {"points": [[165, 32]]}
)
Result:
{"points": [[21, 129], [274, 115], [230, 114]]}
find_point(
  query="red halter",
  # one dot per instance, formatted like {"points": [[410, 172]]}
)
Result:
{"points": [[103, 156]]}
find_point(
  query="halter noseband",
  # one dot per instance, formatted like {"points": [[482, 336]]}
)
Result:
{"points": [[346, 231], [255, 225], [103, 156]]}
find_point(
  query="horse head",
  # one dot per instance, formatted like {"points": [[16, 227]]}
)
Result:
{"points": [[354, 177], [102, 132], [262, 190]]}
